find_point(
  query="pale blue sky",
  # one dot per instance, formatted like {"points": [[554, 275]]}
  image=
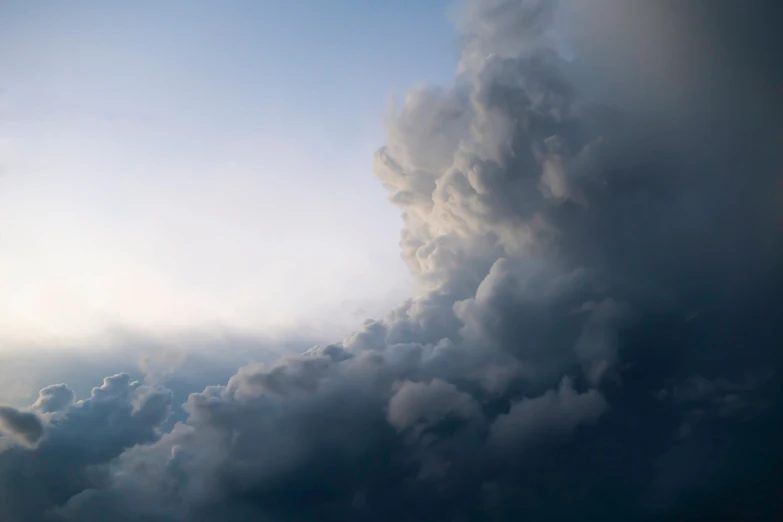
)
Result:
{"points": [[181, 164]]}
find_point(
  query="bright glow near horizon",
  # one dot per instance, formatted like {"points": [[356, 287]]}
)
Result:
{"points": [[191, 166], [229, 242]]}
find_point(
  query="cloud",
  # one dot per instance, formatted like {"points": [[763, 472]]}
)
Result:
{"points": [[54, 398], [563, 236], [48, 470], [429, 403], [557, 412], [23, 425]]}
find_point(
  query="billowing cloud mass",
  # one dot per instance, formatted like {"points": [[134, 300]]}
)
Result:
{"points": [[594, 214]]}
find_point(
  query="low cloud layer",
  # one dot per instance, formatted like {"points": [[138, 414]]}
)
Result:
{"points": [[596, 330]]}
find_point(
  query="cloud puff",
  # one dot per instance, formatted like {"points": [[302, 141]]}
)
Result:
{"points": [[429, 403], [37, 477], [557, 412], [576, 252], [54, 398], [23, 425]]}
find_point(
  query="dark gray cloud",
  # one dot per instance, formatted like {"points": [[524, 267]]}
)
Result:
{"points": [[427, 404], [595, 334], [557, 412], [65, 449], [21, 424]]}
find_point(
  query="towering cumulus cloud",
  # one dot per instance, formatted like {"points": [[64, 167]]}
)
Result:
{"points": [[593, 212]]}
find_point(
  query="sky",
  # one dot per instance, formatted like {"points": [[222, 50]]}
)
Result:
{"points": [[369, 262], [167, 166]]}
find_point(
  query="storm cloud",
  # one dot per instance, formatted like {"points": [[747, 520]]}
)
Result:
{"points": [[595, 226]]}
